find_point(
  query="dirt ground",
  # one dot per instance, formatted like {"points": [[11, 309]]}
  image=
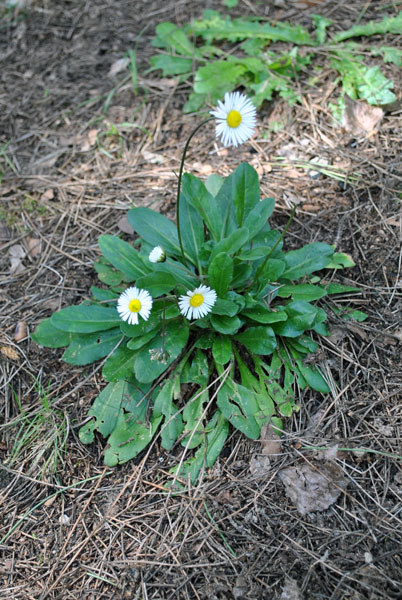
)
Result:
{"points": [[78, 148]]}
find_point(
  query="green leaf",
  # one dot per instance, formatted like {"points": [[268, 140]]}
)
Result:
{"points": [[120, 365], [306, 260], [192, 227], [259, 340], [123, 256], [222, 350], [321, 24], [273, 270], [225, 307], [389, 54], [340, 260], [217, 432], [194, 102], [218, 77], [387, 25], [106, 410], [86, 318], [214, 183], [157, 283], [192, 416], [131, 435], [103, 295], [220, 273], [46, 334], [245, 191], [155, 229], [138, 342], [85, 349], [239, 405], [171, 37], [257, 217], [205, 341], [176, 336], [164, 405], [232, 243], [337, 288], [260, 313], [303, 291], [226, 325], [216, 27], [108, 274], [198, 372], [197, 195], [171, 65], [313, 377]]}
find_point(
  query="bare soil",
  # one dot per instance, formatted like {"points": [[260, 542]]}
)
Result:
{"points": [[78, 148]]}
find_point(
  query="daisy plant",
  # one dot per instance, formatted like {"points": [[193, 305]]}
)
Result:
{"points": [[202, 325]]}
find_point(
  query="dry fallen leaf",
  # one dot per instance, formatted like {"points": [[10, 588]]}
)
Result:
{"points": [[259, 466], [20, 331], [312, 489], [125, 226], [151, 157], [118, 65], [33, 246], [16, 254], [291, 590], [48, 195], [270, 441], [90, 140], [361, 119]]}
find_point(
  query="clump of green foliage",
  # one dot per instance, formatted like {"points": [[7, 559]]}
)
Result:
{"points": [[240, 365], [203, 53]]}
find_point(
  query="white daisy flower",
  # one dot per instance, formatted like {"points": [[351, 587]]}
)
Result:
{"points": [[134, 302], [197, 303], [235, 119], [157, 255]]}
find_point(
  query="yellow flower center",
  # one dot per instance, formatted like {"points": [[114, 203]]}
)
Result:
{"points": [[196, 300], [134, 306], [233, 119]]}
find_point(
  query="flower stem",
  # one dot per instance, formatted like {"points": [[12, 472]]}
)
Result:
{"points": [[179, 185]]}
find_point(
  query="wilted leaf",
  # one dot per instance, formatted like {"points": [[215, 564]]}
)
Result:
{"points": [[360, 118], [313, 489], [90, 140], [48, 195]]}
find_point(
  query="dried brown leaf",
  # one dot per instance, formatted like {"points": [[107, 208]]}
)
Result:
{"points": [[125, 226], [151, 157], [313, 489], [33, 246], [270, 441], [20, 331], [48, 195], [361, 119]]}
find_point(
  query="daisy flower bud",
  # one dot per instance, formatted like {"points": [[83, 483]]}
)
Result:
{"points": [[157, 255]]}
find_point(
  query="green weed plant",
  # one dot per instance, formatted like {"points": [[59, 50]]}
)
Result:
{"points": [[217, 53]]}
